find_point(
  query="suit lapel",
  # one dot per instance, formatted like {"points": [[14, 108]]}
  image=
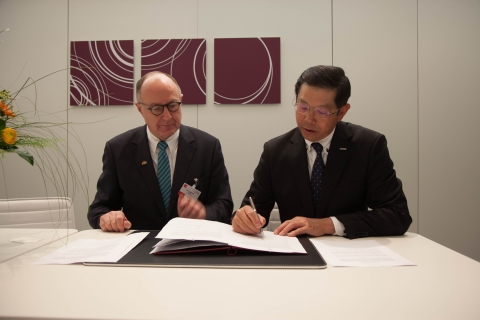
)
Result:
{"points": [[297, 157], [340, 149], [186, 150], [140, 151]]}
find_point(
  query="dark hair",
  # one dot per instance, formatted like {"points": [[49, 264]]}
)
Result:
{"points": [[140, 82], [326, 77]]}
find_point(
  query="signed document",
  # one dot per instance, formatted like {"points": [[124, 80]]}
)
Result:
{"points": [[182, 233]]}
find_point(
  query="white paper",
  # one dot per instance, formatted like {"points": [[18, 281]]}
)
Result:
{"points": [[205, 230], [365, 253], [93, 250], [25, 240]]}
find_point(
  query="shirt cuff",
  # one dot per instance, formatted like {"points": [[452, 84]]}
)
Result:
{"points": [[339, 228]]}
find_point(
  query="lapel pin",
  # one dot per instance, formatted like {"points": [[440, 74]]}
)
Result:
{"points": [[343, 148], [144, 162]]}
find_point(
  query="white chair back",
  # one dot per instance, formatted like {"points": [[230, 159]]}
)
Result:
{"points": [[37, 213], [274, 221]]}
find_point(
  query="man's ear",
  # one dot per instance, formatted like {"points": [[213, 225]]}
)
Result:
{"points": [[342, 112], [139, 107]]}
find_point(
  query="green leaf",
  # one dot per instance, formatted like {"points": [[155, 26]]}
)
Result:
{"points": [[2, 124], [25, 155]]}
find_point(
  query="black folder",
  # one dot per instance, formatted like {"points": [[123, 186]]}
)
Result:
{"points": [[243, 258]]}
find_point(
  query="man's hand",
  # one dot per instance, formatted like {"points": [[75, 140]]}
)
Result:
{"points": [[247, 221], [302, 225], [114, 221], [190, 208]]}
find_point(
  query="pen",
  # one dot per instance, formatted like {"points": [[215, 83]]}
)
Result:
{"points": [[255, 210]]}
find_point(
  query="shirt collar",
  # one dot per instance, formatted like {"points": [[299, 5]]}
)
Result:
{"points": [[172, 141], [325, 142]]}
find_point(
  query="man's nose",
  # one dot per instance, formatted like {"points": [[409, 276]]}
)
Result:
{"points": [[310, 116], [166, 114]]}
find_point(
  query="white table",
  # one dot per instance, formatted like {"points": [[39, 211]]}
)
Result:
{"points": [[10, 249], [443, 285]]}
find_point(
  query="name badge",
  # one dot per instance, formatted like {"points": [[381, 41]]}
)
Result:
{"points": [[190, 191]]}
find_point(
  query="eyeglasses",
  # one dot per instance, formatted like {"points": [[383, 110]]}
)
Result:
{"points": [[157, 109], [321, 112]]}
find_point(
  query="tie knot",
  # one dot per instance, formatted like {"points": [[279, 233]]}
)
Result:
{"points": [[162, 145], [318, 147]]}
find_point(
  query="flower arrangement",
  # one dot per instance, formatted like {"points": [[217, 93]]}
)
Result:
{"points": [[11, 125]]}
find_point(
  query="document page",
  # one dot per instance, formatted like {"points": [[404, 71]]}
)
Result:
{"points": [[270, 242], [193, 229], [93, 250], [365, 253]]}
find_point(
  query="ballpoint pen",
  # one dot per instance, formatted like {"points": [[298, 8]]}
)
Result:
{"points": [[255, 210]]}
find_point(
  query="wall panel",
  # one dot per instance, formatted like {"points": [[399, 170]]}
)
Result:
{"points": [[34, 47], [122, 20], [449, 82], [376, 43], [305, 31]]}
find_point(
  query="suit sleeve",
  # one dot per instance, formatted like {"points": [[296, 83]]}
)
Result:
{"points": [[261, 189], [108, 197], [219, 204], [389, 215]]}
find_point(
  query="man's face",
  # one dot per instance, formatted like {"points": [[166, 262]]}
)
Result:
{"points": [[159, 89], [312, 126]]}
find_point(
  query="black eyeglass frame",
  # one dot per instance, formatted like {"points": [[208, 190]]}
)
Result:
{"points": [[162, 106]]}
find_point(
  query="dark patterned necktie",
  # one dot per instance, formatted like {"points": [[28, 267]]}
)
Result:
{"points": [[163, 173], [317, 172]]}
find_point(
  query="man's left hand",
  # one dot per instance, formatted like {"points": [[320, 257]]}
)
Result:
{"points": [[302, 225], [190, 208]]}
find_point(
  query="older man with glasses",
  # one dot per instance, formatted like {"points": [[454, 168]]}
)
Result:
{"points": [[161, 170], [326, 176]]}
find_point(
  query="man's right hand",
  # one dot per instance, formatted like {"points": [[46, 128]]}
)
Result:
{"points": [[114, 221], [247, 221]]}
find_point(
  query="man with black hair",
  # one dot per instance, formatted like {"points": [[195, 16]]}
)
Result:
{"points": [[326, 176]]}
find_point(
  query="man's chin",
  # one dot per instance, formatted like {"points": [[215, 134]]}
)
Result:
{"points": [[165, 132], [310, 135]]}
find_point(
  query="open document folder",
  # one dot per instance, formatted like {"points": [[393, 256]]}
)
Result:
{"points": [[187, 235]]}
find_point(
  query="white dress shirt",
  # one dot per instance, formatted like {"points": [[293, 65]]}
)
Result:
{"points": [[171, 150], [312, 154]]}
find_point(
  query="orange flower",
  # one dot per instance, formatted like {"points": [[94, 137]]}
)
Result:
{"points": [[3, 106], [9, 136], [9, 113]]}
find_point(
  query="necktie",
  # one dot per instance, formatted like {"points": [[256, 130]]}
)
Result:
{"points": [[163, 173], [317, 172]]}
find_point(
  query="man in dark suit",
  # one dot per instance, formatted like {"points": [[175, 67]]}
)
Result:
{"points": [[144, 168], [326, 176]]}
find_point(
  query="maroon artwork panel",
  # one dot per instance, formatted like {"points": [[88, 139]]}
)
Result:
{"points": [[247, 70], [184, 59], [101, 73]]}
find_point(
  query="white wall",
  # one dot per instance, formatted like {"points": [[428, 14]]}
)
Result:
{"points": [[413, 65], [449, 117], [34, 46]]}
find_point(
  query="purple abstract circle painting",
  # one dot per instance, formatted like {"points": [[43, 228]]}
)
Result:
{"points": [[184, 59], [247, 70], [101, 73]]}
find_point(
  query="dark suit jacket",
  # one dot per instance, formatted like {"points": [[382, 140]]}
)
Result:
{"points": [[127, 184], [358, 175]]}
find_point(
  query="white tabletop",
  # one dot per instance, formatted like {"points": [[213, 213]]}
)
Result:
{"points": [[443, 285], [11, 244]]}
